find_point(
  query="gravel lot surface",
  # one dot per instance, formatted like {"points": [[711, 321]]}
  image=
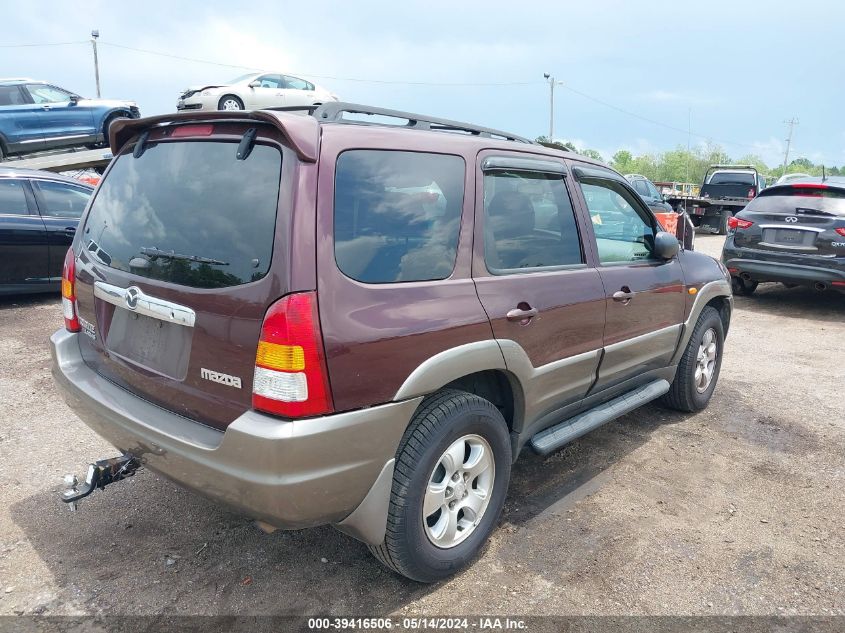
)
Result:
{"points": [[739, 509]]}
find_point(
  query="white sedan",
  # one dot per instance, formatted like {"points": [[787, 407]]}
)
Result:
{"points": [[253, 92]]}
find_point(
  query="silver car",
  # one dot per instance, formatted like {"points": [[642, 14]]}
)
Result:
{"points": [[254, 91]]}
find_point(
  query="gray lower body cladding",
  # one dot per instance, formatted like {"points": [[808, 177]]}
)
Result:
{"points": [[288, 473]]}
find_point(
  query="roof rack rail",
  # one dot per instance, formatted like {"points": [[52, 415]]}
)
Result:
{"points": [[334, 110]]}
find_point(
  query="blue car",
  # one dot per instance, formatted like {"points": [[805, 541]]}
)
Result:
{"points": [[35, 116]]}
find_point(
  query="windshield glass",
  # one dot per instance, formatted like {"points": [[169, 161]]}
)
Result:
{"points": [[732, 178], [241, 78], [189, 213]]}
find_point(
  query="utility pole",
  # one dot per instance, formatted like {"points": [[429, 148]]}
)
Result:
{"points": [[94, 35], [791, 123], [552, 83]]}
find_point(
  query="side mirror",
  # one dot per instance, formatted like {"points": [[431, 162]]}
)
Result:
{"points": [[254, 84], [666, 245], [74, 99]]}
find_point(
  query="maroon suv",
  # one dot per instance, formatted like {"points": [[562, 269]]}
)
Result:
{"points": [[315, 319]]}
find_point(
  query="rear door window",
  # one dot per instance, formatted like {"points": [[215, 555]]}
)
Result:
{"points": [[397, 214], [62, 200], [189, 213]]}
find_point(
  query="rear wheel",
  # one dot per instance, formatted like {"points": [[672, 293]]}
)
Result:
{"points": [[699, 368], [112, 118], [449, 485], [2, 153], [230, 102], [723, 221], [742, 287]]}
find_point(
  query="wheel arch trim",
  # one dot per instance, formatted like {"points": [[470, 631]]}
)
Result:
{"points": [[720, 288]]}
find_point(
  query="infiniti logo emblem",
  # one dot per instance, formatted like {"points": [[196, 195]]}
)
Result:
{"points": [[791, 218], [132, 294]]}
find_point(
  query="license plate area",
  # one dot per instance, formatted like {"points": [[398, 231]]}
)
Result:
{"points": [[789, 238], [158, 346]]}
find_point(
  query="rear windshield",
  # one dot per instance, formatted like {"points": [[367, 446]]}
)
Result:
{"points": [[731, 178], [792, 200], [189, 213]]}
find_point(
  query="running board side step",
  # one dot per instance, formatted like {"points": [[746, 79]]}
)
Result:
{"points": [[554, 437]]}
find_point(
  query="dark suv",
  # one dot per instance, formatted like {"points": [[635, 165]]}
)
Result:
{"points": [[318, 320], [793, 233]]}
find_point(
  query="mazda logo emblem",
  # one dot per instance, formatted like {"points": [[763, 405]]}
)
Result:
{"points": [[132, 294], [791, 218]]}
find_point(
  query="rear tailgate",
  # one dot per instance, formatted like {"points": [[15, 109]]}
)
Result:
{"points": [[174, 267], [797, 219]]}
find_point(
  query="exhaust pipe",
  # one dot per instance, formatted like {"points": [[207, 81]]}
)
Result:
{"points": [[820, 286], [745, 276]]}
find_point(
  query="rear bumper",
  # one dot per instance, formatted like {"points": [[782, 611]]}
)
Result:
{"points": [[752, 267], [288, 473]]}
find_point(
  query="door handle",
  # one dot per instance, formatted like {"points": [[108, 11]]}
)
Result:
{"points": [[523, 313], [45, 107], [624, 295]]}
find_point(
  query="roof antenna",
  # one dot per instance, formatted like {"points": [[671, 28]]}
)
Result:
{"points": [[824, 175]]}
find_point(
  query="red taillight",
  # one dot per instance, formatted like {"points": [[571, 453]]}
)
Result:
{"points": [[291, 379], [735, 223], [193, 130], [69, 292], [752, 192], [841, 231]]}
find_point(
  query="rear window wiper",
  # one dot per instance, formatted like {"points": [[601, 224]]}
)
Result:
{"points": [[154, 252]]}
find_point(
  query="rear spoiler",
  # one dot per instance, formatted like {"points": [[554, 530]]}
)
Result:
{"points": [[302, 132]]}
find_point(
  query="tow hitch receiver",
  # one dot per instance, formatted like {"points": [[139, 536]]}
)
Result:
{"points": [[100, 474]]}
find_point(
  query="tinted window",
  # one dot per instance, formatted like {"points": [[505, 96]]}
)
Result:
{"points": [[652, 191], [12, 197], [731, 178], [528, 222], [62, 200], [47, 94], [10, 95], [397, 215], [624, 233], [194, 199], [795, 200]]}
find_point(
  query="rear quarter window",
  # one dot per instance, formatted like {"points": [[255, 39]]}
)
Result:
{"points": [[397, 215]]}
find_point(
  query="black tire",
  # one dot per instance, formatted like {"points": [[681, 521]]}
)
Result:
{"points": [[2, 153], [235, 99], [723, 221], [743, 288], [683, 394], [441, 420], [107, 124]]}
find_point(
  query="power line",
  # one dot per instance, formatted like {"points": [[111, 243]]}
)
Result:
{"points": [[40, 45], [688, 132], [335, 78]]}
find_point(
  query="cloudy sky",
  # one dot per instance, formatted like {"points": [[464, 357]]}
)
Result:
{"points": [[636, 75]]}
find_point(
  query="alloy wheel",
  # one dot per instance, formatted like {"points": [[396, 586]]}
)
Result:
{"points": [[705, 366], [458, 491]]}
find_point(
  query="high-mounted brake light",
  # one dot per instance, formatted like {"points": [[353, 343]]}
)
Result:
{"points": [[204, 129], [69, 293], [735, 223], [841, 231], [291, 379]]}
